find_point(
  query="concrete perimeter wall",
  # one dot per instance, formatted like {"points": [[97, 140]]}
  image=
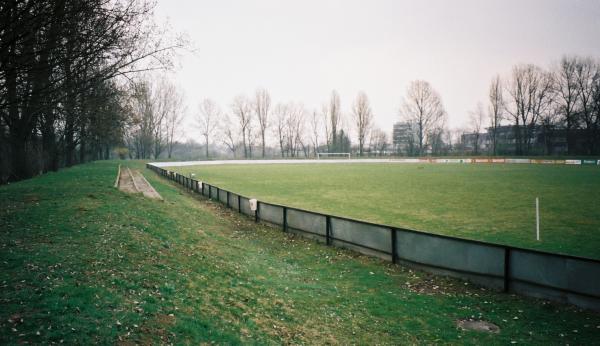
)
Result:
{"points": [[557, 277]]}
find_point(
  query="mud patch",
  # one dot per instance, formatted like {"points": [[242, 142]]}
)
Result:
{"points": [[478, 326]]}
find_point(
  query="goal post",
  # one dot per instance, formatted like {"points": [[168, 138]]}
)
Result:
{"points": [[333, 155]]}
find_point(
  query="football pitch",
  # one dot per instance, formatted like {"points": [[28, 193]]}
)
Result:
{"points": [[488, 202]]}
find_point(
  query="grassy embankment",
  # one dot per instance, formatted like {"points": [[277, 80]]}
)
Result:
{"points": [[490, 202], [81, 262]]}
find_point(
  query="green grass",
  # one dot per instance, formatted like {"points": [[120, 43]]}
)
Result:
{"points": [[82, 263], [493, 203]]}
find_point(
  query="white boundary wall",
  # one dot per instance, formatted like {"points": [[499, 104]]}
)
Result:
{"points": [[346, 161]]}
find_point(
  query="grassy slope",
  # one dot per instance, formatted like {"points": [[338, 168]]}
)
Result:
{"points": [[486, 202], [82, 262]]}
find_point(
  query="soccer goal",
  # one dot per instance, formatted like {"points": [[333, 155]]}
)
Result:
{"points": [[333, 156]]}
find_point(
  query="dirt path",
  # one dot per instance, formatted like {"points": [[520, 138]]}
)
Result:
{"points": [[134, 182], [143, 185]]}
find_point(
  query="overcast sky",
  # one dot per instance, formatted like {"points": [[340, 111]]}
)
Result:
{"points": [[301, 50]]}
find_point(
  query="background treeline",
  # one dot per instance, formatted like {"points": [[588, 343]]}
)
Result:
{"points": [[77, 83], [64, 69], [529, 111], [544, 107]]}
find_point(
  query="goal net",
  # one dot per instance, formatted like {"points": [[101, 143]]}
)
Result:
{"points": [[333, 156]]}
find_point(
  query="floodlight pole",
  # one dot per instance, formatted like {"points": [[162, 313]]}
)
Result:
{"points": [[537, 218]]}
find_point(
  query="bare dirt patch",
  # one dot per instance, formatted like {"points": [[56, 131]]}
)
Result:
{"points": [[478, 325], [134, 182]]}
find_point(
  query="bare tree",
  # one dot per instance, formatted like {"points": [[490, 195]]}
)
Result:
{"points": [[334, 118], [476, 118], [567, 96], [143, 123], [230, 134], [363, 119], [548, 122], [529, 89], [596, 110], [423, 107], [452, 140], [170, 106], [207, 120], [173, 130], [262, 106], [156, 108], [544, 107], [435, 139], [586, 77], [242, 110], [326, 125], [281, 113], [252, 137], [296, 123], [315, 128], [379, 140], [496, 111]]}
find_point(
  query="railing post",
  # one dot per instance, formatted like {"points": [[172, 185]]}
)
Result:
{"points": [[328, 230], [239, 204], [228, 206], [284, 219], [256, 211], [218, 198], [394, 246], [506, 269], [209, 192]]}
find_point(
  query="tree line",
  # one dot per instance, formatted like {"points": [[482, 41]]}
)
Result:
{"points": [[540, 103], [77, 83], [535, 104], [64, 72], [255, 127]]}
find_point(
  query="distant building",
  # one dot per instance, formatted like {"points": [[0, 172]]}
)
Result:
{"points": [[536, 140], [468, 141], [403, 138]]}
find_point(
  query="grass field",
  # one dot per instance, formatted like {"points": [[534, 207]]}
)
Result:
{"points": [[82, 263], [493, 203]]}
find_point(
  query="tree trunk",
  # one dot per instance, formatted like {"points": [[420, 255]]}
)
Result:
{"points": [[206, 142], [20, 165], [245, 147], [263, 144], [82, 149], [50, 150]]}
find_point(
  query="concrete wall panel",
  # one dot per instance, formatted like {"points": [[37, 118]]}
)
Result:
{"points": [[271, 213], [245, 202], [375, 237], [450, 253], [306, 221]]}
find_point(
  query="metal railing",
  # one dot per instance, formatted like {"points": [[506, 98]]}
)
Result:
{"points": [[541, 274]]}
